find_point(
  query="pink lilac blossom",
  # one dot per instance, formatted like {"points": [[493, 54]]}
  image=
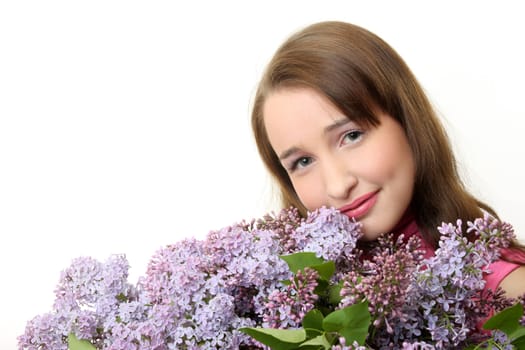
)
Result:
{"points": [[380, 282], [331, 236], [286, 308], [283, 224], [342, 345]]}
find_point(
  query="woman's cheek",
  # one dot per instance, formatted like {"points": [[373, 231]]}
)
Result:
{"points": [[309, 190]]}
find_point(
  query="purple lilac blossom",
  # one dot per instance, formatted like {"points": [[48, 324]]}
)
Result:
{"points": [[87, 295], [204, 289], [197, 294], [448, 298], [330, 235], [283, 224]]}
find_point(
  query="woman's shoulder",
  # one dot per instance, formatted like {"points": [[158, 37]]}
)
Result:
{"points": [[508, 273]]}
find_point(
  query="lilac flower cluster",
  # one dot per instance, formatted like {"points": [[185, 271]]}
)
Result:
{"points": [[286, 308], [86, 290], [197, 294], [215, 286], [384, 280], [330, 235], [445, 299], [450, 289]]}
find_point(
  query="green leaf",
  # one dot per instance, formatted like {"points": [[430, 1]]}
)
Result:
{"points": [[470, 347], [325, 270], [313, 323], [335, 294], [277, 339], [73, 343], [519, 343], [518, 333], [352, 322], [334, 321], [299, 261], [319, 342], [322, 287], [354, 334], [506, 320]]}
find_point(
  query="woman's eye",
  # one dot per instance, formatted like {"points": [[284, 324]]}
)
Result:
{"points": [[352, 136], [301, 163]]}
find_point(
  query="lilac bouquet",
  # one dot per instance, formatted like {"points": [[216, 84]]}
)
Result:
{"points": [[284, 282]]}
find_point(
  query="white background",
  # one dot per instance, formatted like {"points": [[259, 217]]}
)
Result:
{"points": [[124, 126]]}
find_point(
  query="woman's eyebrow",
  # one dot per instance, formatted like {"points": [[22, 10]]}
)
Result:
{"points": [[337, 123], [288, 153]]}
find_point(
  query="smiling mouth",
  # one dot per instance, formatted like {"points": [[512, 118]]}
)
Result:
{"points": [[360, 206]]}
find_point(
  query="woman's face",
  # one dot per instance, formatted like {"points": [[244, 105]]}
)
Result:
{"points": [[366, 172]]}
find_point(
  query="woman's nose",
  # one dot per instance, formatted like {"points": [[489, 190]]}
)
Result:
{"points": [[339, 180]]}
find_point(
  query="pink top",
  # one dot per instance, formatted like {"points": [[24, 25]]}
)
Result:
{"points": [[501, 268]]}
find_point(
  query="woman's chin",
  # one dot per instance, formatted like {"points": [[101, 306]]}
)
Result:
{"points": [[369, 236]]}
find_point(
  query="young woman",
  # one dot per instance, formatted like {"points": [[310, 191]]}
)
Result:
{"points": [[340, 120]]}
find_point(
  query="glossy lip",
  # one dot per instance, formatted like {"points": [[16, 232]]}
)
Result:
{"points": [[360, 206]]}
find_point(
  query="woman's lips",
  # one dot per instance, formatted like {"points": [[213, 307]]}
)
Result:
{"points": [[360, 206]]}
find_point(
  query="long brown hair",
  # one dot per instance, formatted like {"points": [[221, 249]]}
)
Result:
{"points": [[359, 72]]}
